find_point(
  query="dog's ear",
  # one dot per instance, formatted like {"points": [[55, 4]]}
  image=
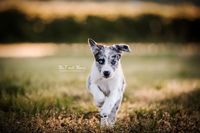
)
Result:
{"points": [[93, 45], [91, 42], [123, 47]]}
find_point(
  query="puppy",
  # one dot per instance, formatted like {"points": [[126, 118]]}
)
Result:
{"points": [[106, 81]]}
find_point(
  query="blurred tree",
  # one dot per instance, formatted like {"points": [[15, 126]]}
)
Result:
{"points": [[17, 27]]}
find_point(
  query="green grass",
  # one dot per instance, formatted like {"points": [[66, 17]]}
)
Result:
{"points": [[162, 94]]}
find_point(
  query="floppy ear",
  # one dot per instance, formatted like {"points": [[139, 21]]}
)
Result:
{"points": [[93, 45], [123, 47]]}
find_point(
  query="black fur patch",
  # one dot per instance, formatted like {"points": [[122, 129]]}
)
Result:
{"points": [[114, 48], [99, 55], [114, 57]]}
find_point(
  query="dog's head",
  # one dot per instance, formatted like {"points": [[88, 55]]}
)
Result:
{"points": [[107, 57]]}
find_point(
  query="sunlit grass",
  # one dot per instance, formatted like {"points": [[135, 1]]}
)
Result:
{"points": [[163, 84]]}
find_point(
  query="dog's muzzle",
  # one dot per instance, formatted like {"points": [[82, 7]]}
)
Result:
{"points": [[106, 74]]}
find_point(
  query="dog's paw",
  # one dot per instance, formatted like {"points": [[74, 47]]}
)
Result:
{"points": [[104, 114], [104, 122], [111, 121]]}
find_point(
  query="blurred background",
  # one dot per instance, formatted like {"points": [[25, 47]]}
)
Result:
{"points": [[45, 61], [111, 20]]}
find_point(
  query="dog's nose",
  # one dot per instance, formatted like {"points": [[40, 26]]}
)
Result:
{"points": [[106, 74]]}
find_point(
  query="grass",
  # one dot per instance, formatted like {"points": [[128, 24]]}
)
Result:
{"points": [[162, 94]]}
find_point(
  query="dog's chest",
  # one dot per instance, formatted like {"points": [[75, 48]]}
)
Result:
{"points": [[106, 86]]}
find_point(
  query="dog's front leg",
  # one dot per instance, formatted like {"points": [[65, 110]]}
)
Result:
{"points": [[109, 103], [99, 99], [98, 95], [112, 115]]}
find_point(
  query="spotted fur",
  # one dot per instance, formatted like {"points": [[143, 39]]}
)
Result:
{"points": [[106, 81]]}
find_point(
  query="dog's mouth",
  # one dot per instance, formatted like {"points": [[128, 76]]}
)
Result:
{"points": [[106, 77]]}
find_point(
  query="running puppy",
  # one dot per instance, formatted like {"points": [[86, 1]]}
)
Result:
{"points": [[106, 81]]}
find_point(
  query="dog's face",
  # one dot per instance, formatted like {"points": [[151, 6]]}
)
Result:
{"points": [[107, 57]]}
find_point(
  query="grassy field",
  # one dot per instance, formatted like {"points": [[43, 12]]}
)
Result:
{"points": [[48, 94]]}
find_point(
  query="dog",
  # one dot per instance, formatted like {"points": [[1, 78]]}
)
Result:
{"points": [[106, 81]]}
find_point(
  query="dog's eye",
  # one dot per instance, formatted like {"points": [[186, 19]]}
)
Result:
{"points": [[114, 56], [101, 61], [113, 62]]}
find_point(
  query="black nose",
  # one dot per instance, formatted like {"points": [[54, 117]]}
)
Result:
{"points": [[106, 73]]}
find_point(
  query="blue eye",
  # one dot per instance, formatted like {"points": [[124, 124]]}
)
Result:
{"points": [[113, 62], [101, 61]]}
